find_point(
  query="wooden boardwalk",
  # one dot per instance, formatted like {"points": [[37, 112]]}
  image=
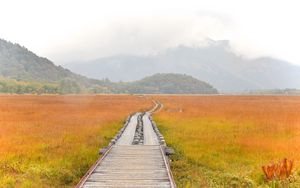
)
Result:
{"points": [[127, 165], [128, 134]]}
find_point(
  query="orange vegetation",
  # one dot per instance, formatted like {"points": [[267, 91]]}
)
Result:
{"points": [[53, 140], [229, 136], [282, 170]]}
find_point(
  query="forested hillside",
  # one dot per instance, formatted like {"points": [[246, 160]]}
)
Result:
{"points": [[17, 62], [172, 84], [22, 71]]}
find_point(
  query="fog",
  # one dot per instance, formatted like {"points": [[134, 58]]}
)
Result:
{"points": [[68, 31]]}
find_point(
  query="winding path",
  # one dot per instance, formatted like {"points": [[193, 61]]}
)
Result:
{"points": [[129, 164]]}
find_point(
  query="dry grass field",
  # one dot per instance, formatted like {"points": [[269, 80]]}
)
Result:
{"points": [[51, 141], [223, 141], [220, 141]]}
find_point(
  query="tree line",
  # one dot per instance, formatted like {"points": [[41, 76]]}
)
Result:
{"points": [[21, 87]]}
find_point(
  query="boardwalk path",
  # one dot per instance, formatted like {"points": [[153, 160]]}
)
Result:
{"points": [[136, 158]]}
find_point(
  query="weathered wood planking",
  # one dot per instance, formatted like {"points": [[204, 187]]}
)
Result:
{"points": [[128, 134], [150, 137], [131, 166]]}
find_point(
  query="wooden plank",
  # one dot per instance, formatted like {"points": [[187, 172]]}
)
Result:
{"points": [[149, 134], [146, 168], [128, 134]]}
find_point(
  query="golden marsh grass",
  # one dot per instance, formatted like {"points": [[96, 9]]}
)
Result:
{"points": [[51, 141], [223, 141]]}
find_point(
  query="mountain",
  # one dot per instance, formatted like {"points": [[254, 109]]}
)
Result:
{"points": [[215, 63], [22, 71], [169, 84], [17, 62]]}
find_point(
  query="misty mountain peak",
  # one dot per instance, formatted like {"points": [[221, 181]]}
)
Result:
{"points": [[213, 62]]}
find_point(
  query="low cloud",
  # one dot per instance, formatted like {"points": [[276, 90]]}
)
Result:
{"points": [[142, 36], [77, 30]]}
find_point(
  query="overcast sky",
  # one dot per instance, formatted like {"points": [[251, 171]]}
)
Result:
{"points": [[66, 31]]}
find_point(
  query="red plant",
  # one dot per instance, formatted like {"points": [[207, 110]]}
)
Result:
{"points": [[280, 170]]}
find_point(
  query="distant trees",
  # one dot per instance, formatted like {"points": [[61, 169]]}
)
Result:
{"points": [[66, 86], [158, 83], [21, 87]]}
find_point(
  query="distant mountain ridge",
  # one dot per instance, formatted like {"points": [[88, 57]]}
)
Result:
{"points": [[214, 63], [22, 71]]}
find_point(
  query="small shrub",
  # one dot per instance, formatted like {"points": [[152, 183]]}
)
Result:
{"points": [[280, 171]]}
